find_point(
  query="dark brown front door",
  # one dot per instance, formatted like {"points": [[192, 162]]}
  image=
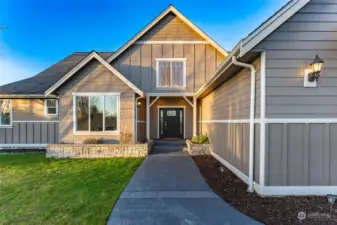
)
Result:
{"points": [[171, 123]]}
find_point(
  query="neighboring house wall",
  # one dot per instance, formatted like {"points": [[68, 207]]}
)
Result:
{"points": [[94, 77], [224, 117], [171, 102], [30, 125], [299, 152], [138, 63]]}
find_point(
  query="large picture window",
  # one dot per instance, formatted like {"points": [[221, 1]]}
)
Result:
{"points": [[5, 112], [171, 73], [96, 112]]}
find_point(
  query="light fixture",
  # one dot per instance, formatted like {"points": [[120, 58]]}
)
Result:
{"points": [[312, 75], [316, 67], [221, 171], [331, 200], [139, 103]]}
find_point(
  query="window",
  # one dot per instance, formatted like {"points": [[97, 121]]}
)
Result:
{"points": [[96, 112], [171, 73], [51, 107], [5, 112]]}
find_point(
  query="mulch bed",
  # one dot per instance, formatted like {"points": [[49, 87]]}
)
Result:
{"points": [[268, 210]]}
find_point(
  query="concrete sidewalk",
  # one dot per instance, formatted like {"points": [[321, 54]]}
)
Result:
{"points": [[168, 189]]}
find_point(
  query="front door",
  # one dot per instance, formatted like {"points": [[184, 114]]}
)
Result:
{"points": [[171, 123]]}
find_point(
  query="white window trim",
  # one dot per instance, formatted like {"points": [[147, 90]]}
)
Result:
{"points": [[11, 115], [46, 108], [170, 60], [89, 94]]}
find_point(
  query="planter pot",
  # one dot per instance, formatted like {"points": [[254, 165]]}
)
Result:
{"points": [[198, 149]]}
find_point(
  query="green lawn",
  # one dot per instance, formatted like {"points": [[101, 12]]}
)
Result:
{"points": [[36, 190]]}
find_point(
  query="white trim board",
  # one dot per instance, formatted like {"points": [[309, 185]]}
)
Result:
{"points": [[229, 121], [168, 94], [169, 42], [36, 121], [171, 107], [232, 168], [83, 63], [14, 146], [170, 9], [296, 190]]}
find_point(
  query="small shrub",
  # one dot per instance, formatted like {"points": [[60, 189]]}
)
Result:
{"points": [[202, 139], [92, 141]]}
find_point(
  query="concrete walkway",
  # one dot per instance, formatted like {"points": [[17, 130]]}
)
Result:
{"points": [[167, 189]]}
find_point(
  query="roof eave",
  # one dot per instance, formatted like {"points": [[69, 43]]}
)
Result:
{"points": [[82, 64]]}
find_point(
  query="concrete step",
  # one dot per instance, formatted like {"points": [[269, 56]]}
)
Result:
{"points": [[174, 143]]}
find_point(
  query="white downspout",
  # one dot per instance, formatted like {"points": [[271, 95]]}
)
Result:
{"points": [[252, 121]]}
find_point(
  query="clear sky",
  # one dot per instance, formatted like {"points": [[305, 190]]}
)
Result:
{"points": [[41, 32]]}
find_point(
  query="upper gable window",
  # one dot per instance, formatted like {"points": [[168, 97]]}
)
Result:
{"points": [[171, 73]]}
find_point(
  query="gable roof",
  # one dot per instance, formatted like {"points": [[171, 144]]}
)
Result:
{"points": [[170, 9], [271, 24], [92, 55], [38, 84], [253, 39]]}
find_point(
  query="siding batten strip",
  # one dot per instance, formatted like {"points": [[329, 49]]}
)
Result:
{"points": [[326, 155], [306, 154], [285, 153]]}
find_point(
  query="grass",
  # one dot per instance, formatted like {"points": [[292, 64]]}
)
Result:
{"points": [[36, 190]]}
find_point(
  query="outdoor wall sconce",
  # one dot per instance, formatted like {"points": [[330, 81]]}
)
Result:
{"points": [[312, 75]]}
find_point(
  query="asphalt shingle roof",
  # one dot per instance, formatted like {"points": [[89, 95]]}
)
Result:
{"points": [[41, 82]]}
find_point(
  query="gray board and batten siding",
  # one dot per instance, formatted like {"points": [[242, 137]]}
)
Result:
{"points": [[301, 150], [224, 117], [138, 62]]}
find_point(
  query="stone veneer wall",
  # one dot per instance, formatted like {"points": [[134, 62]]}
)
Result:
{"points": [[98, 150], [198, 149]]}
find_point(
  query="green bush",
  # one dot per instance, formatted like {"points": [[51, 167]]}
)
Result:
{"points": [[202, 139]]}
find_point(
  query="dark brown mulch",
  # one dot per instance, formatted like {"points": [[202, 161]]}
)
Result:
{"points": [[268, 210]]}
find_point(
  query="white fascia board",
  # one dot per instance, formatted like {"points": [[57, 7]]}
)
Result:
{"points": [[103, 62], [271, 25], [155, 21]]}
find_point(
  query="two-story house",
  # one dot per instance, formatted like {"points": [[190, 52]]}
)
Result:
{"points": [[145, 89]]}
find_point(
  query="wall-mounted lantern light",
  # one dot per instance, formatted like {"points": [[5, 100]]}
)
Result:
{"points": [[139, 103], [312, 75]]}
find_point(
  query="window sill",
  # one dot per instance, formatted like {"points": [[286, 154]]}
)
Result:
{"points": [[52, 115], [89, 133], [6, 126]]}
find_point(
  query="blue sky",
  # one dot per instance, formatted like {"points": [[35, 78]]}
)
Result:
{"points": [[41, 32]]}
